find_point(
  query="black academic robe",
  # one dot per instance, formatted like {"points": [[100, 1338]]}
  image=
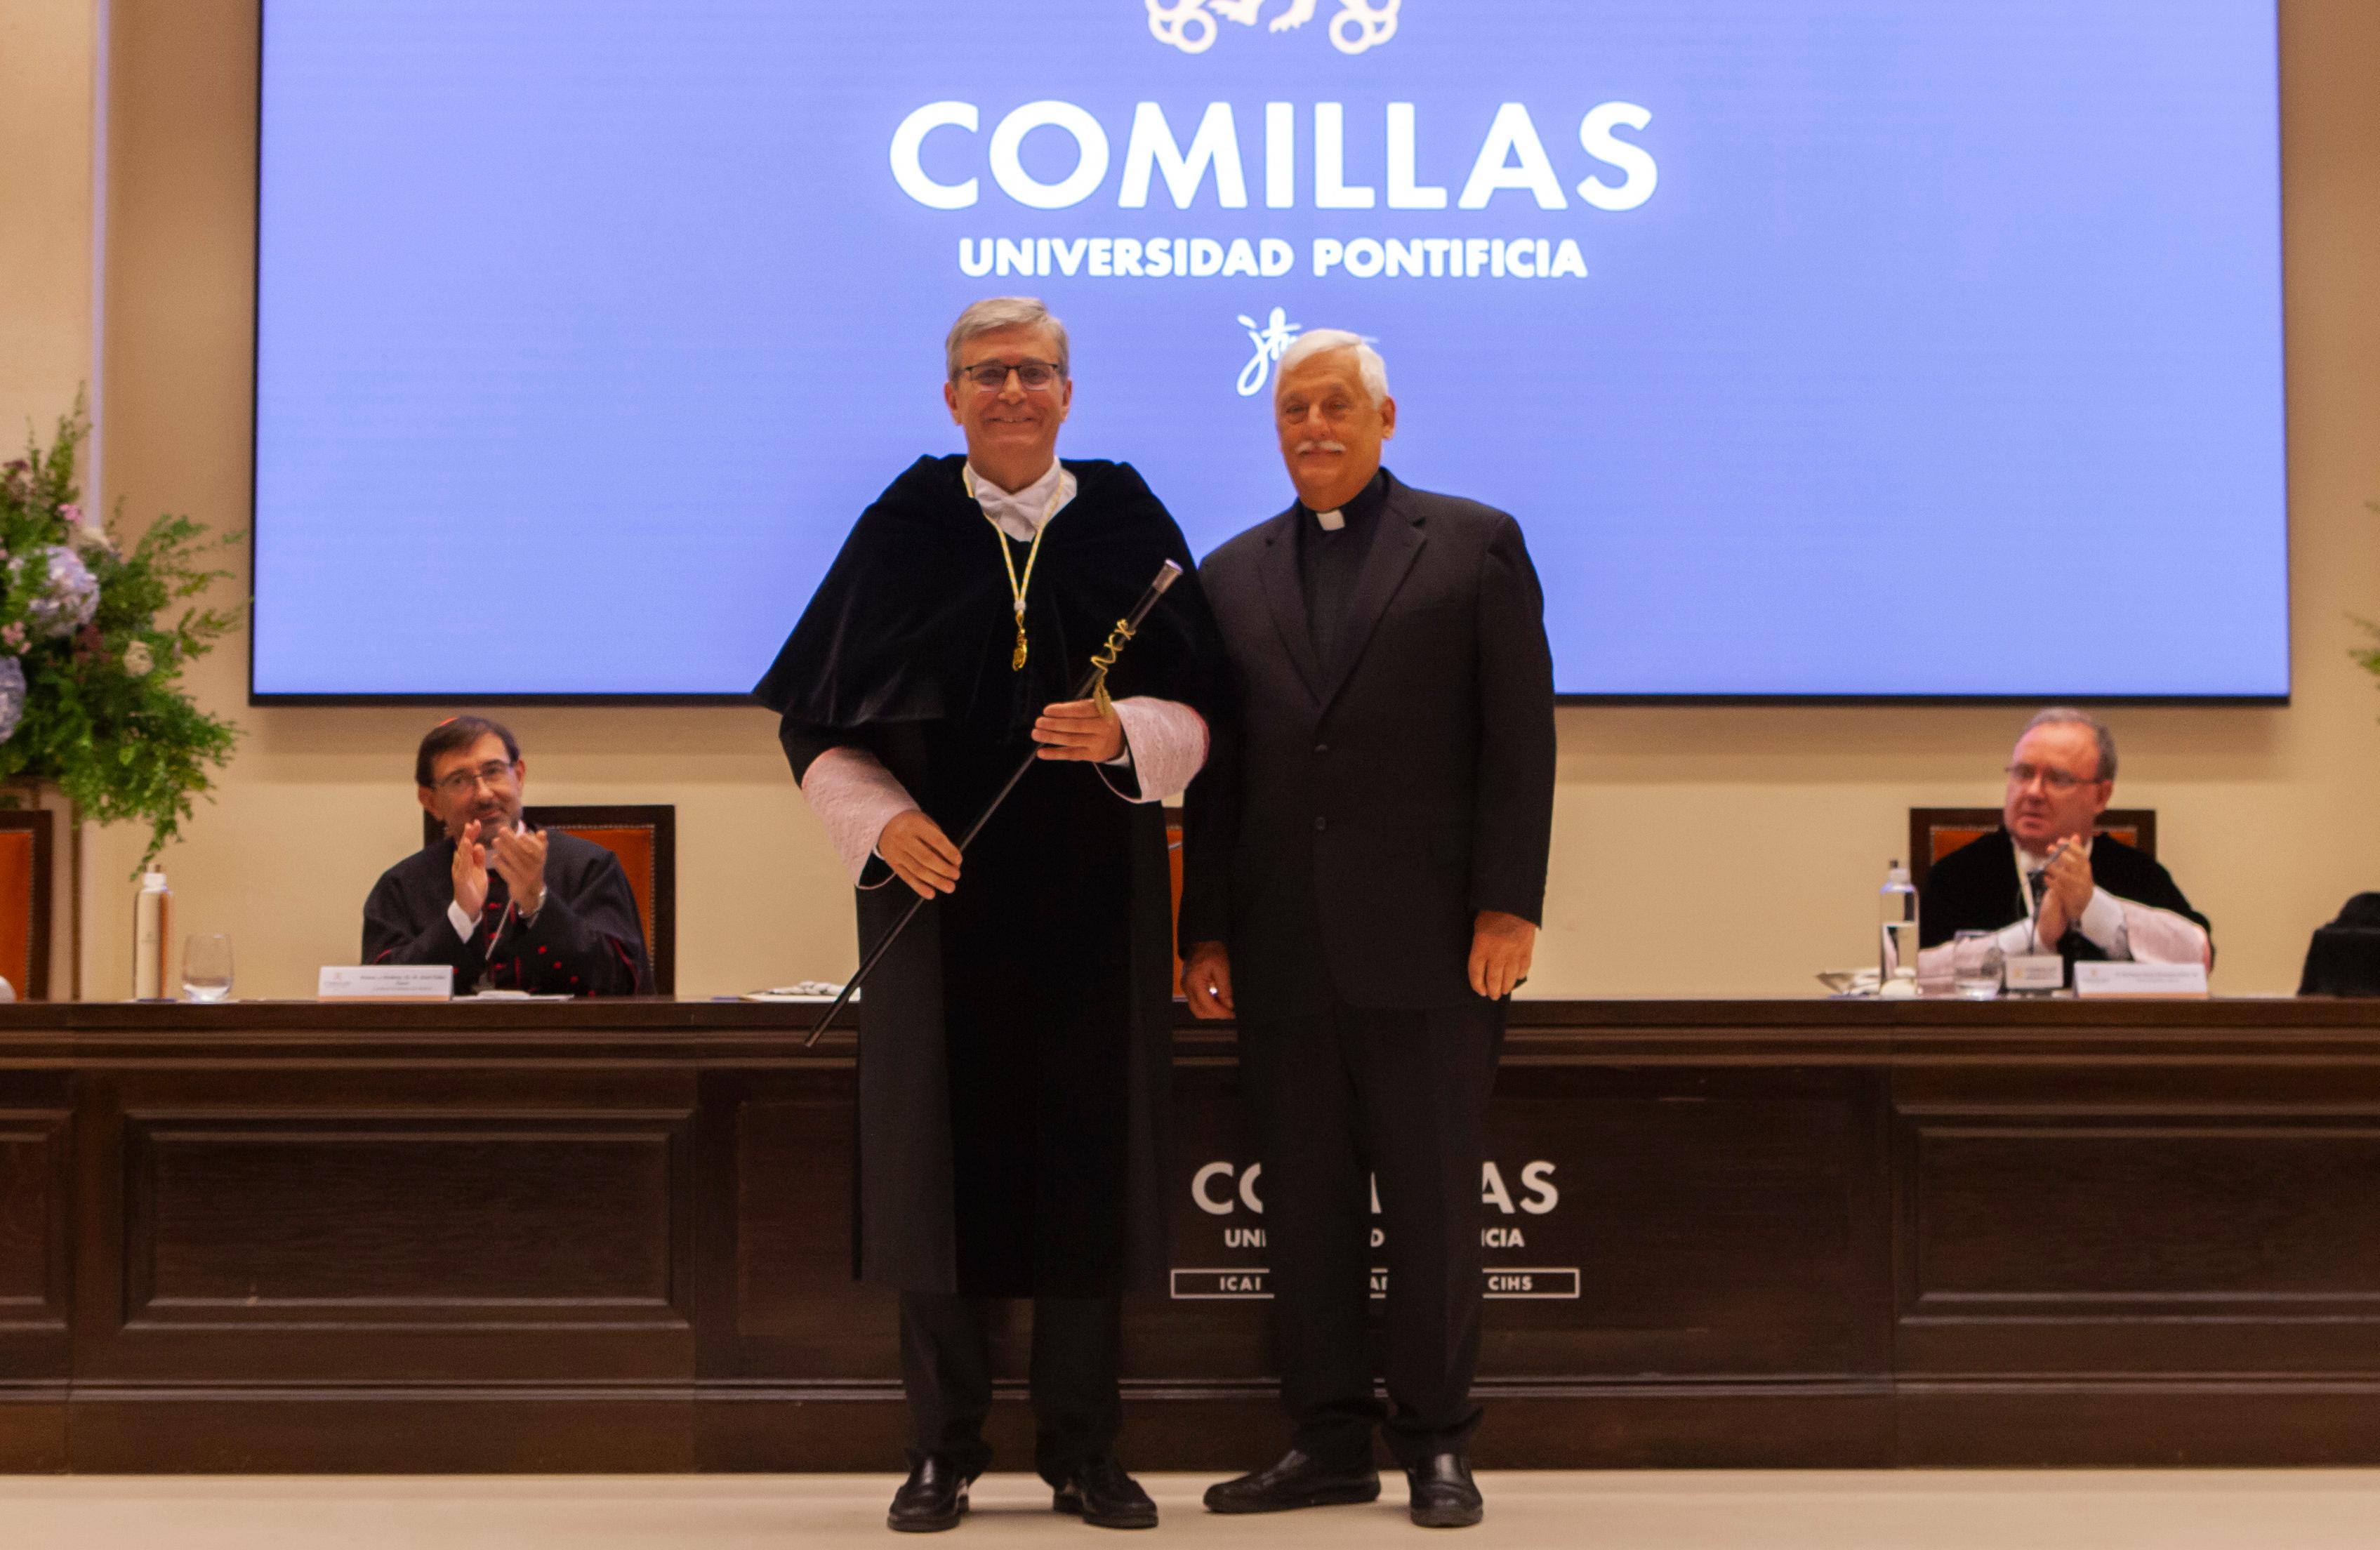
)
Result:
{"points": [[1015, 1063], [1976, 888], [588, 940]]}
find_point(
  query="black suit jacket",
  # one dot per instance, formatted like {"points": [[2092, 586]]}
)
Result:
{"points": [[1346, 831]]}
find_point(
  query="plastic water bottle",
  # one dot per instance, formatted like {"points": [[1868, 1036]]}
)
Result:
{"points": [[152, 910], [1897, 932]]}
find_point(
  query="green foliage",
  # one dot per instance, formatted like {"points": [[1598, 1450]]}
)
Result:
{"points": [[107, 718]]}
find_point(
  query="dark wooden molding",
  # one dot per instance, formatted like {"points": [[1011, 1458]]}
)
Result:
{"points": [[612, 1236]]}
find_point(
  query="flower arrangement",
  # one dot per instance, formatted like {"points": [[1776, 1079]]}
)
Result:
{"points": [[90, 698]]}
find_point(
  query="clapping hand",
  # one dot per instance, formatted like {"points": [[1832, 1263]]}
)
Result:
{"points": [[2069, 894], [470, 871], [519, 858]]}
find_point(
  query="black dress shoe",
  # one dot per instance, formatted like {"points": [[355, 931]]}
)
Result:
{"points": [[1297, 1481], [1443, 1497], [1103, 1495], [933, 1498]]}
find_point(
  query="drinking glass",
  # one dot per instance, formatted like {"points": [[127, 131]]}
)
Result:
{"points": [[206, 968], [1975, 965]]}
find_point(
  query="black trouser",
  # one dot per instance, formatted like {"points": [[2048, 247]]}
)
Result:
{"points": [[946, 1368], [1401, 1096]]}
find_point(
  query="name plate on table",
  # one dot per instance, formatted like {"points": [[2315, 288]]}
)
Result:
{"points": [[2031, 971], [2139, 979], [387, 982]]}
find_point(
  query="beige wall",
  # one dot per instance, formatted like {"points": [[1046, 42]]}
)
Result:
{"points": [[1726, 851], [47, 62]]}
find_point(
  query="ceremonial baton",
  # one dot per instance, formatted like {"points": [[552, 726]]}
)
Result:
{"points": [[1094, 686]]}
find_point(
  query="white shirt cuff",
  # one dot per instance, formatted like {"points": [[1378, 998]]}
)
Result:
{"points": [[464, 925], [2102, 923], [2157, 936], [2016, 941]]}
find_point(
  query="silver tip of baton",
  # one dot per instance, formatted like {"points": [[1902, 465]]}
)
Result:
{"points": [[1166, 577]]}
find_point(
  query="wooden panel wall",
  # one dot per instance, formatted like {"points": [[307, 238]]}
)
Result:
{"points": [[614, 1237]]}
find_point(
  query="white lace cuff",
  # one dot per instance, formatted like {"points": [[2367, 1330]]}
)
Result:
{"points": [[855, 797]]}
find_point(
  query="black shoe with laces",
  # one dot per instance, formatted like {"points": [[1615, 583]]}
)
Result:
{"points": [[1443, 1495], [933, 1498], [1103, 1495], [1297, 1481]]}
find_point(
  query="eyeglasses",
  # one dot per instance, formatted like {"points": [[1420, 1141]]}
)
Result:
{"points": [[1038, 376], [494, 774], [2053, 779]]}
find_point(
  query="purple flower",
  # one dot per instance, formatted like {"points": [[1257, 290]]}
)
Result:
{"points": [[13, 638], [12, 696], [69, 599]]}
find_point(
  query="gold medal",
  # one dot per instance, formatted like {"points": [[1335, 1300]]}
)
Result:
{"points": [[1018, 585]]}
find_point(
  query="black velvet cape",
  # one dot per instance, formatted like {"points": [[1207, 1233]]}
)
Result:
{"points": [[1976, 888], [588, 940], [1017, 1045]]}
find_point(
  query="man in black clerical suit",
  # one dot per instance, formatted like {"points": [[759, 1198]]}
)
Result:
{"points": [[1015, 1045], [2043, 882], [508, 906], [1364, 867]]}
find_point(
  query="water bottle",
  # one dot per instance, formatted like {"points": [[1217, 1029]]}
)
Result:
{"points": [[152, 912], [1897, 933]]}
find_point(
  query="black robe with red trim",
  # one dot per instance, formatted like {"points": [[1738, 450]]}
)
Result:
{"points": [[588, 940]]}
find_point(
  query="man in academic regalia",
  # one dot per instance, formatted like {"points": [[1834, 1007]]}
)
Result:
{"points": [[2044, 882], [508, 906], [1365, 865], [1015, 1045]]}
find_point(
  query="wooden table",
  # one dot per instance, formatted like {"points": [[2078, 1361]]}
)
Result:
{"points": [[612, 1236]]}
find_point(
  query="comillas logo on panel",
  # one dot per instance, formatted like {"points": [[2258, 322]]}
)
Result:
{"points": [[1453, 185], [1189, 25]]}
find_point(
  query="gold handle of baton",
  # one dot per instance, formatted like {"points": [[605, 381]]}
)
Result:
{"points": [[1104, 658]]}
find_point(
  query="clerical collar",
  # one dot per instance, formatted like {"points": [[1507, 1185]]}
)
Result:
{"points": [[1367, 501]]}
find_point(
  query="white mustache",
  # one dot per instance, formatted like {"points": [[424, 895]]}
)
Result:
{"points": [[1321, 446]]}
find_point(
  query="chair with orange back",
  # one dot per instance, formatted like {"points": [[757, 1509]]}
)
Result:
{"points": [[25, 902], [1935, 833], [644, 836]]}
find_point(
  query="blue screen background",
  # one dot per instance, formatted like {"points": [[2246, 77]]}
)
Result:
{"points": [[1945, 359]]}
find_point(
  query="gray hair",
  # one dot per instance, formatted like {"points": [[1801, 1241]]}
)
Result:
{"points": [[2074, 716], [1368, 364], [996, 313]]}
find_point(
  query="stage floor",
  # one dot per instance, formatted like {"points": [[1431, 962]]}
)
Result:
{"points": [[1706, 1510]]}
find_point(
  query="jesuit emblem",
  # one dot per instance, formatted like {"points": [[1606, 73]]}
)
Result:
{"points": [[1270, 338], [1189, 25]]}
